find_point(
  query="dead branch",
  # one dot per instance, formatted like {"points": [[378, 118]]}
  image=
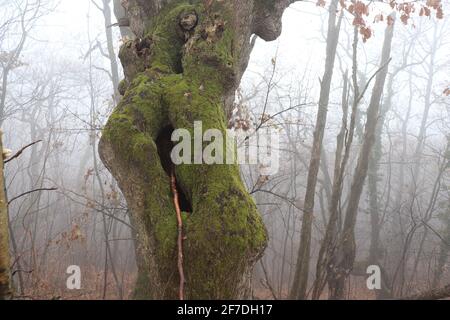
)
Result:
{"points": [[18, 153], [31, 191], [267, 282], [173, 183], [23, 271]]}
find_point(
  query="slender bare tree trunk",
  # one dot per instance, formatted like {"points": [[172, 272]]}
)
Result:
{"points": [[444, 249], [343, 151], [106, 10], [346, 247], [427, 107], [399, 220], [416, 158], [375, 250], [328, 242], [300, 283]]}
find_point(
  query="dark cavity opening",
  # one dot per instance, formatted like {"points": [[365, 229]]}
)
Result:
{"points": [[165, 146]]}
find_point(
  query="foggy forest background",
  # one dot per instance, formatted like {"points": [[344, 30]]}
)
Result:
{"points": [[59, 78]]}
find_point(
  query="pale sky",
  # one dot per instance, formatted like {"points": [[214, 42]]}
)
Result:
{"points": [[301, 47]]}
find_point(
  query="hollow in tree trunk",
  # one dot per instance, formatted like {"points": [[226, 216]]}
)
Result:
{"points": [[184, 66]]}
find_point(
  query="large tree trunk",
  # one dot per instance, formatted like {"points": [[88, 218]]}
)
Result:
{"points": [[5, 259], [185, 66], [121, 16]]}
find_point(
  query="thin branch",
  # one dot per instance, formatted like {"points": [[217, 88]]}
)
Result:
{"points": [[272, 291], [173, 183], [23, 271], [18, 153], [436, 233], [371, 78], [32, 191]]}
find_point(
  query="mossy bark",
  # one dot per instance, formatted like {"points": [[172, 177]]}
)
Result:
{"points": [[5, 259], [177, 74]]}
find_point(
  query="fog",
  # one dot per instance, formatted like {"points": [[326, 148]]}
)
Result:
{"points": [[66, 209]]}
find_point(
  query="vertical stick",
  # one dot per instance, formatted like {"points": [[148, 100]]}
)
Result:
{"points": [[173, 183]]}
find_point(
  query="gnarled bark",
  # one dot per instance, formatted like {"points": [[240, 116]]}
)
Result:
{"points": [[184, 66]]}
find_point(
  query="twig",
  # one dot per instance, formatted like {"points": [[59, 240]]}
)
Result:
{"points": [[436, 233], [291, 202], [23, 271], [103, 209], [272, 291], [18, 153], [123, 22], [32, 191], [173, 183], [361, 96]]}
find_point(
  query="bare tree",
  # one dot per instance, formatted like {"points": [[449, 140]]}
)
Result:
{"points": [[29, 13], [346, 247], [299, 287]]}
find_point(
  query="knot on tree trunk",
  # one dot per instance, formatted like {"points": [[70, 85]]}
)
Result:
{"points": [[265, 17], [267, 22], [188, 20]]}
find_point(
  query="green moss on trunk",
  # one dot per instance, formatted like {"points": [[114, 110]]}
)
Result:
{"points": [[185, 81]]}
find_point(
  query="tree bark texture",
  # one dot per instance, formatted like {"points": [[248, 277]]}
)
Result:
{"points": [[184, 65], [5, 259]]}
